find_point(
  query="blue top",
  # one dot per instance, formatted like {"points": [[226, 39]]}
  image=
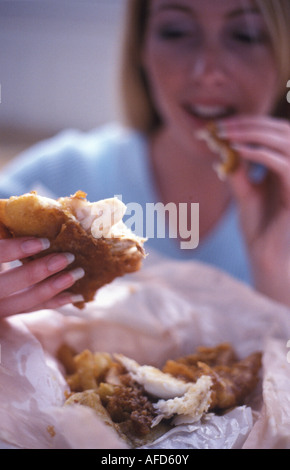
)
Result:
{"points": [[113, 161]]}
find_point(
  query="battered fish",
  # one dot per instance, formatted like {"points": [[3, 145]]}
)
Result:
{"points": [[229, 157], [142, 402], [94, 232]]}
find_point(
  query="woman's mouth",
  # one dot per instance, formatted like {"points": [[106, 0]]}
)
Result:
{"points": [[209, 112]]}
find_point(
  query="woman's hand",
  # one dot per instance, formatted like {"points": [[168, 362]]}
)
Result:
{"points": [[265, 206], [38, 284]]}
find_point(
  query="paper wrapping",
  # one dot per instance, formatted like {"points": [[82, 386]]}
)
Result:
{"points": [[164, 311]]}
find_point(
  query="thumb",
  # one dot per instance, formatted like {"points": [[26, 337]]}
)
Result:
{"points": [[248, 200], [240, 185]]}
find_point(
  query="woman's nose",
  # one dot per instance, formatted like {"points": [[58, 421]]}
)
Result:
{"points": [[208, 65]]}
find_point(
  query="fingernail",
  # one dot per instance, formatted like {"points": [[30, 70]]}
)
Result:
{"points": [[35, 245], [77, 273], [67, 298], [60, 261], [68, 279], [76, 299]]}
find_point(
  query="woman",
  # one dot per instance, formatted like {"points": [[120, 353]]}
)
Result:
{"points": [[186, 63]]}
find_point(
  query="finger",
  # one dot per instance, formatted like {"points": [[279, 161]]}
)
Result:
{"points": [[240, 183], [267, 123], [243, 190], [246, 194], [271, 159], [65, 298], [40, 294], [13, 249], [258, 137], [22, 277], [249, 201]]}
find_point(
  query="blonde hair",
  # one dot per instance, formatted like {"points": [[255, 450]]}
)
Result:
{"points": [[276, 14], [138, 105]]}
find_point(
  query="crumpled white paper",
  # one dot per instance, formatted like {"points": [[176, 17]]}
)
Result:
{"points": [[213, 432], [164, 311]]}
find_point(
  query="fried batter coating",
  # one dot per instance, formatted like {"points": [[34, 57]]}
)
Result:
{"points": [[130, 407], [88, 368], [233, 380], [223, 354], [230, 160], [26, 215], [4, 232], [91, 399]]}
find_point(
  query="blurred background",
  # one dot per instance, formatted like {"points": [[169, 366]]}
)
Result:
{"points": [[59, 62]]}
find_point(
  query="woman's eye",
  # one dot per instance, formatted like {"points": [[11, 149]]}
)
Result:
{"points": [[248, 38], [175, 30], [172, 34]]}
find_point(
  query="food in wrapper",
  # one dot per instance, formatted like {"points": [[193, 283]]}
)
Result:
{"points": [[142, 402], [162, 313], [94, 232]]}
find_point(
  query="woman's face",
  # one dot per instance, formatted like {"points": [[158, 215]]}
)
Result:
{"points": [[208, 59]]}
